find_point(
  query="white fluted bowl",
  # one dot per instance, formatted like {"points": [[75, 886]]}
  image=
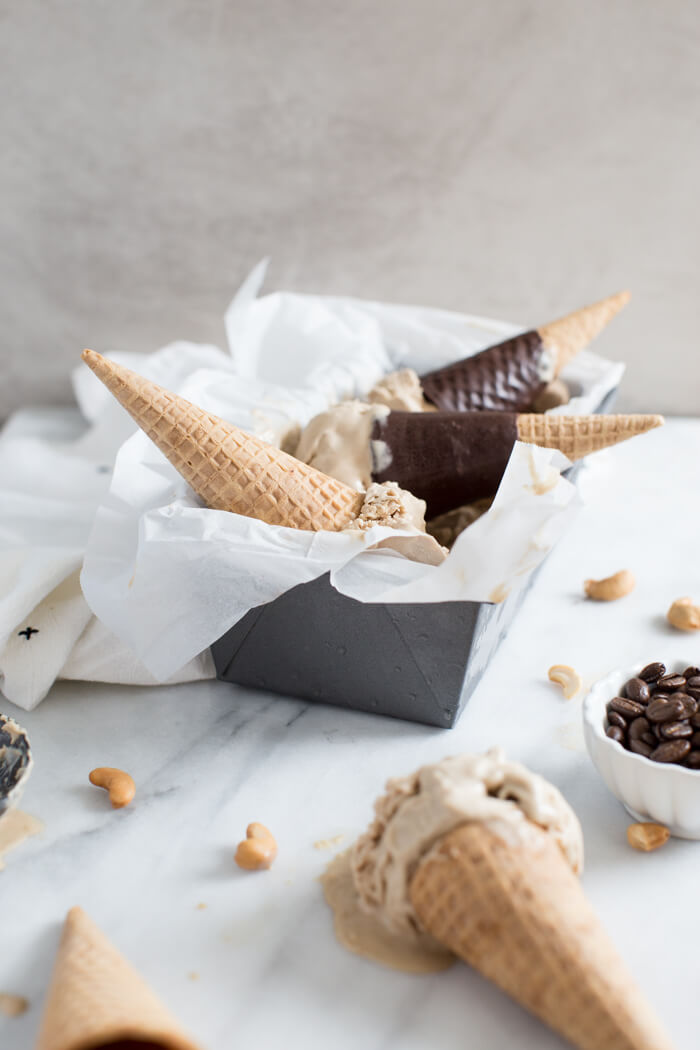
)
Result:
{"points": [[657, 791]]}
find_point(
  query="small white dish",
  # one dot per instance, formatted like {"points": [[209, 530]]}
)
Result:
{"points": [[664, 793]]}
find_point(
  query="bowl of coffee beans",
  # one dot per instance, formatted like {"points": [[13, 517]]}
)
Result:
{"points": [[642, 730]]}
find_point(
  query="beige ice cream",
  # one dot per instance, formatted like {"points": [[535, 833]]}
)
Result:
{"points": [[368, 886], [338, 442], [401, 392], [420, 809], [387, 504], [484, 855]]}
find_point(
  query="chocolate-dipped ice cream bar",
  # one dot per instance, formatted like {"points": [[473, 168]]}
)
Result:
{"points": [[510, 376], [447, 459]]}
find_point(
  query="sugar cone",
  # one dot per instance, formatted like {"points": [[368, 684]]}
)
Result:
{"points": [[576, 436], [97, 1000], [573, 333], [227, 468], [518, 915]]}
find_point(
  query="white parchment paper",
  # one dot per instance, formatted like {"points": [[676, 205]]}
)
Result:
{"points": [[169, 576]]}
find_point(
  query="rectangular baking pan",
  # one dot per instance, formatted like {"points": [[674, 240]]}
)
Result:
{"points": [[418, 662]]}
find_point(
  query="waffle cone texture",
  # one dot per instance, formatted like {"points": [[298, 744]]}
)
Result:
{"points": [[517, 914], [228, 468], [577, 436], [573, 333], [96, 999]]}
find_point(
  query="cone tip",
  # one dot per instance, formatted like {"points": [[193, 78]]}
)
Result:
{"points": [[75, 915], [90, 357]]}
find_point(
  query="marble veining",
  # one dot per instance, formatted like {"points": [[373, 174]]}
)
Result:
{"points": [[259, 964]]}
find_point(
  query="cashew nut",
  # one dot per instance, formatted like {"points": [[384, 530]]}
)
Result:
{"points": [[258, 849], [13, 1005], [684, 615], [567, 678], [611, 588], [119, 784], [647, 836]]}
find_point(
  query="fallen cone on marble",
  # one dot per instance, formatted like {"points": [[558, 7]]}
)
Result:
{"points": [[519, 916], [97, 1000], [512, 374]]}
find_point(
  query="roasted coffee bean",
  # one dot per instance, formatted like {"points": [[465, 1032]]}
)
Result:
{"points": [[690, 704], [651, 672], [676, 730], [628, 708], [659, 710], [640, 748], [656, 732], [637, 689], [695, 720], [637, 727], [648, 738], [671, 751], [615, 733], [668, 683], [692, 685], [695, 739], [692, 760], [692, 672], [617, 720]]}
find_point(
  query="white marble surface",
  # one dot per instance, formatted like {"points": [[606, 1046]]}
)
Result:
{"points": [[209, 758]]}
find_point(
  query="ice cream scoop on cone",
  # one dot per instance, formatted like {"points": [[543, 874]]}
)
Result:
{"points": [[478, 855], [228, 468], [96, 999], [517, 914], [511, 374]]}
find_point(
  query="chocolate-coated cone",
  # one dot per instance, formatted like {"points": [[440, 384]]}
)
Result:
{"points": [[573, 333], [511, 375], [576, 436], [97, 1000], [227, 468], [517, 914], [449, 459]]}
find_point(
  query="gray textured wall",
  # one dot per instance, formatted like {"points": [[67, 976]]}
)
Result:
{"points": [[514, 159]]}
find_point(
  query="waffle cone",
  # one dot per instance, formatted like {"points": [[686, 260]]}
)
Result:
{"points": [[573, 333], [228, 468], [576, 436], [518, 915], [97, 1000]]}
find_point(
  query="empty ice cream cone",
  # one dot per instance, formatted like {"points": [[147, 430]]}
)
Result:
{"points": [[510, 375], [96, 999], [516, 912], [452, 458], [228, 468]]}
